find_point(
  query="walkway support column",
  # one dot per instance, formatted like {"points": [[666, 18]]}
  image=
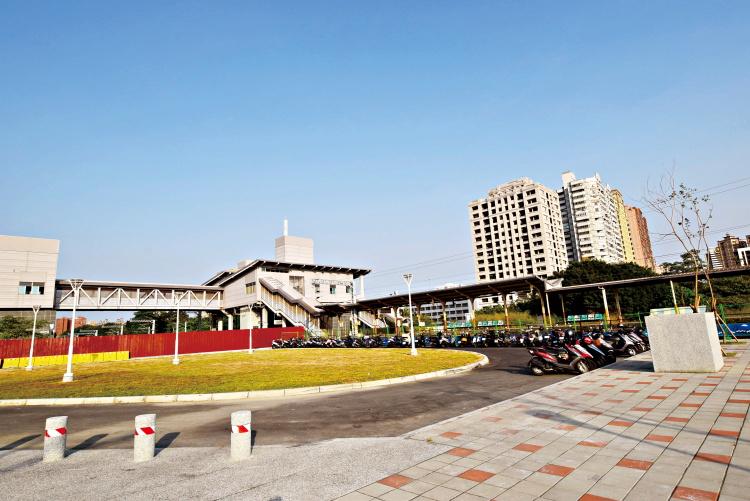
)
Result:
{"points": [[445, 318], [505, 307], [606, 307], [617, 306], [562, 304]]}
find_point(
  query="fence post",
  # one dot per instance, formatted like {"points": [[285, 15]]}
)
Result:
{"points": [[241, 436], [55, 438], [144, 437]]}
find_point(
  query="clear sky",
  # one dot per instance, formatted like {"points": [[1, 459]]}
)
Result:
{"points": [[166, 140]]}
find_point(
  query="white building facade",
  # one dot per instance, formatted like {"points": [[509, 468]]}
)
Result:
{"points": [[590, 220], [516, 232]]}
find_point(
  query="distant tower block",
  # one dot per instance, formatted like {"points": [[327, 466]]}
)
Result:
{"points": [[294, 249]]}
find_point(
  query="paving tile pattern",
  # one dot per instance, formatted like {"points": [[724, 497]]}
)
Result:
{"points": [[618, 433]]}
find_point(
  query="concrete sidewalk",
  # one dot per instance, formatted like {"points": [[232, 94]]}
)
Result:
{"points": [[621, 432], [324, 470]]}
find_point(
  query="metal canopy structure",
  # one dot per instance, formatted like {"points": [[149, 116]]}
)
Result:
{"points": [[657, 279], [460, 293], [223, 277]]}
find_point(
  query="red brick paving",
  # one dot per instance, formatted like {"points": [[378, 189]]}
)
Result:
{"points": [[451, 434], [724, 433], [476, 475], [588, 443], [461, 452], [620, 422], [592, 497], [528, 447], [635, 464], [395, 481], [738, 415], [738, 401], [566, 427], [674, 419], [690, 494], [689, 405], [660, 438], [553, 469], [714, 458]]}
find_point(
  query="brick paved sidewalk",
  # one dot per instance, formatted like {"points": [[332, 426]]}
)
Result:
{"points": [[621, 432]]}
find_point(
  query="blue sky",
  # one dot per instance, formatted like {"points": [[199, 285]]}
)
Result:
{"points": [[166, 140]]}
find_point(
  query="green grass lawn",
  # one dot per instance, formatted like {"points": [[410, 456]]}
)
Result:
{"points": [[227, 372]]}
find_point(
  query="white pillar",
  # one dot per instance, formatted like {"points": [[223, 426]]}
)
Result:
{"points": [[242, 436], [144, 438], [55, 438]]}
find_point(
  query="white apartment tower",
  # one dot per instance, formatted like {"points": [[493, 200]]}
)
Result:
{"points": [[517, 231], [590, 221]]}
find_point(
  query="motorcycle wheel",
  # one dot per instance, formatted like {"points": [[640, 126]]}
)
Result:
{"points": [[582, 367], [631, 352], [536, 370]]}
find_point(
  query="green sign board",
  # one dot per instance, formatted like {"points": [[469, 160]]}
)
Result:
{"points": [[585, 318], [490, 323], [481, 323]]}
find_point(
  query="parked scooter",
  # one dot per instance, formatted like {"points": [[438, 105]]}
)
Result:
{"points": [[560, 359], [622, 345]]}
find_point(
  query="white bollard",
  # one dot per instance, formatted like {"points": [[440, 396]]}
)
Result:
{"points": [[55, 438], [241, 435], [144, 438]]}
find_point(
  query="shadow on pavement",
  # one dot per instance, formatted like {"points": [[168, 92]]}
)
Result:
{"points": [[86, 444], [19, 442], [165, 441]]}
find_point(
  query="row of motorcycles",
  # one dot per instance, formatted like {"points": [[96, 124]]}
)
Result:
{"points": [[568, 352]]}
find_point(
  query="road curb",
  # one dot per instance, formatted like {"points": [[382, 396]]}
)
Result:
{"points": [[247, 395]]}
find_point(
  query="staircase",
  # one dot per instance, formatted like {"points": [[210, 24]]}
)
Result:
{"points": [[290, 304]]}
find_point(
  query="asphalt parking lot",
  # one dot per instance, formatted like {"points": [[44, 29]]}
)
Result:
{"points": [[382, 412]]}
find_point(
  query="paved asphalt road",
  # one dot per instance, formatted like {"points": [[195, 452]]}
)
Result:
{"points": [[382, 412]]}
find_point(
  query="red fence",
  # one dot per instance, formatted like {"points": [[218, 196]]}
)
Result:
{"points": [[150, 345]]}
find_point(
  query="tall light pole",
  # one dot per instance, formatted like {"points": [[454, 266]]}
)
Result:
{"points": [[407, 279], [176, 359], [33, 335], [75, 284]]}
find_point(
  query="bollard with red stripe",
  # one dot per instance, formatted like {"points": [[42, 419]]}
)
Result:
{"points": [[242, 435], [144, 437], [55, 438]]}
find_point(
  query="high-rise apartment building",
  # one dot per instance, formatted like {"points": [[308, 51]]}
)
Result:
{"points": [[628, 247], [641, 242], [517, 231], [590, 222]]}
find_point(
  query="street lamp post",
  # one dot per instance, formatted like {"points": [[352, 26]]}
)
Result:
{"points": [[407, 279], [176, 359], [36, 308], [75, 284]]}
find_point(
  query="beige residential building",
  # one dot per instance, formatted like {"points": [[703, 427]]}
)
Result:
{"points": [[517, 231], [622, 220], [638, 226]]}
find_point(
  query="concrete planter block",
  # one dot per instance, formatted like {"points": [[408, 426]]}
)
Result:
{"points": [[684, 343]]}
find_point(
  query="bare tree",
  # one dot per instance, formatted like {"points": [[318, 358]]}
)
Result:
{"points": [[687, 215]]}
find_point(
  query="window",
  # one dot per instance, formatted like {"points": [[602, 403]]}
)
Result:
{"points": [[332, 289], [31, 288], [348, 289], [297, 283], [250, 288], [317, 289]]}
